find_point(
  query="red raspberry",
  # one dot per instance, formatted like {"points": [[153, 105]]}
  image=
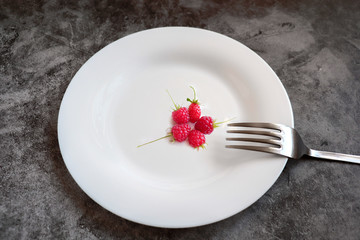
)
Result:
{"points": [[194, 112], [180, 115], [205, 125], [194, 108], [196, 139], [180, 132]]}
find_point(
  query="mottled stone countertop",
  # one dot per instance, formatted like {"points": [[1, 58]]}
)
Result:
{"points": [[313, 46]]}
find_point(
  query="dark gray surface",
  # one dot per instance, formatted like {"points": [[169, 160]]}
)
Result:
{"points": [[313, 46]]}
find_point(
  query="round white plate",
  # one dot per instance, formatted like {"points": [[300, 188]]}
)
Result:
{"points": [[118, 100]]}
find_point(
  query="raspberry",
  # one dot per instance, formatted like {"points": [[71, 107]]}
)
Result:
{"points": [[194, 112], [180, 132], [196, 139], [205, 125], [180, 115], [194, 108]]}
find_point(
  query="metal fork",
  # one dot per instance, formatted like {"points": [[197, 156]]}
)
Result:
{"points": [[281, 140]]}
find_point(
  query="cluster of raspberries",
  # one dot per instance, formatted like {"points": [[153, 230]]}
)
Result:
{"points": [[182, 130]]}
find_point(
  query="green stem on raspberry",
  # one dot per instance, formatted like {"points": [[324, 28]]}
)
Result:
{"points": [[155, 140], [203, 146], [176, 106], [217, 124], [193, 91], [194, 100]]}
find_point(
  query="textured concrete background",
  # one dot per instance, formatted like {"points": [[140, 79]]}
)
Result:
{"points": [[313, 46]]}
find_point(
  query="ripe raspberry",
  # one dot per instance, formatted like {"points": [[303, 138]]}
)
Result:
{"points": [[194, 112], [196, 139], [194, 108], [180, 115], [205, 125], [180, 132]]}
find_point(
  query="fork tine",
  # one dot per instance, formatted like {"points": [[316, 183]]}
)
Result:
{"points": [[256, 125], [255, 148], [256, 132], [257, 140]]}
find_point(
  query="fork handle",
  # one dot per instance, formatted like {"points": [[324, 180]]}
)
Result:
{"points": [[334, 156]]}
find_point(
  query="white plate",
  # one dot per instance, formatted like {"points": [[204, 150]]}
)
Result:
{"points": [[118, 100]]}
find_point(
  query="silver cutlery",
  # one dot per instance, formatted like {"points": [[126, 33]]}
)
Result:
{"points": [[279, 139]]}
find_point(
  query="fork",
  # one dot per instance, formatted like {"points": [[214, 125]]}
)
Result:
{"points": [[282, 140]]}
